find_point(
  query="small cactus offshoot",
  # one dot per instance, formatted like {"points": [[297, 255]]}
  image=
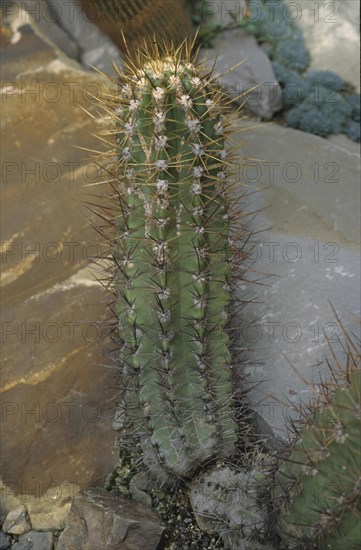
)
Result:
{"points": [[318, 487]]}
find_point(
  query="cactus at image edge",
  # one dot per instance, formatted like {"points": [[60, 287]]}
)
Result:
{"points": [[175, 260], [318, 487]]}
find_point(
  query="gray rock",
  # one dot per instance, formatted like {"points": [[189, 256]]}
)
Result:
{"points": [[264, 432], [138, 486], [254, 71], [99, 519], [309, 241], [34, 540], [5, 540], [119, 418], [17, 521], [227, 502], [43, 20], [95, 47], [326, 25]]}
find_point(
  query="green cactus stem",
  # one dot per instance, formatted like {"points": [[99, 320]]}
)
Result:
{"points": [[318, 487], [175, 258]]}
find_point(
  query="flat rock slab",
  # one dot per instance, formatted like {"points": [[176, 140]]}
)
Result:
{"points": [[245, 71], [345, 143], [56, 397], [99, 519], [309, 242]]}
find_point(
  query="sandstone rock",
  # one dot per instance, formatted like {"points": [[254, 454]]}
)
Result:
{"points": [[34, 540], [55, 394], [17, 521], [43, 21], [33, 30], [253, 79], [99, 519], [308, 238]]}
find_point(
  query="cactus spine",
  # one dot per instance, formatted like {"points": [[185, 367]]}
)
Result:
{"points": [[319, 486], [175, 259]]}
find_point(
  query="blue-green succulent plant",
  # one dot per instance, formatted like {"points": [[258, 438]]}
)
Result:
{"points": [[354, 101], [352, 130], [328, 79], [314, 102], [293, 54], [314, 122]]}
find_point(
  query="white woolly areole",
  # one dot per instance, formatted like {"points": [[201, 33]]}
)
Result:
{"points": [[169, 64], [160, 142], [162, 185], [198, 171], [161, 164], [158, 93]]}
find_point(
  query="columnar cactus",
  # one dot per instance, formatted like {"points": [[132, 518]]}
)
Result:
{"points": [[139, 20], [175, 258], [319, 486]]}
